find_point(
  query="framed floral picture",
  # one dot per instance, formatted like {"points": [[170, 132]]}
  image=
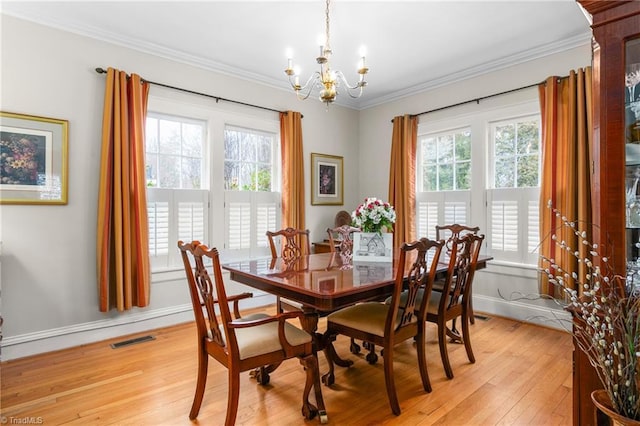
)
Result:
{"points": [[33, 159], [326, 179]]}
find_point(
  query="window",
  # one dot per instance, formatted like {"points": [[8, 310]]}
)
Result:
{"points": [[513, 199], [444, 179], [248, 159], [446, 161], [515, 153], [212, 176], [252, 206], [176, 199], [482, 168]]}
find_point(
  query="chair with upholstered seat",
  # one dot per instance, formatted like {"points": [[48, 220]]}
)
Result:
{"points": [[448, 305], [242, 344], [294, 243], [387, 325], [448, 233]]}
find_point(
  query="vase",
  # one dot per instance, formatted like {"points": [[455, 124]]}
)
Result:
{"points": [[602, 402]]}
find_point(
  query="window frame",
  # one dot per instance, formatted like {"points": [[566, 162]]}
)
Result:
{"points": [[216, 117]]}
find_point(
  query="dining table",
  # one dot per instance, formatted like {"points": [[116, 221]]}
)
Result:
{"points": [[324, 283]]}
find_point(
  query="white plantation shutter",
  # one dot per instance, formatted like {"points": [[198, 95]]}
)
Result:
{"points": [[533, 230], [265, 221], [427, 219], [238, 225], [441, 208], [174, 214], [513, 224], [158, 228], [504, 225], [455, 212], [248, 217]]}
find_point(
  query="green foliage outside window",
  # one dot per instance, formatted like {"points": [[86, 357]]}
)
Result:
{"points": [[516, 153], [446, 161]]}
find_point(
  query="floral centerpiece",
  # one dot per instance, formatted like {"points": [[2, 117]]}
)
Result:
{"points": [[372, 215], [608, 316]]}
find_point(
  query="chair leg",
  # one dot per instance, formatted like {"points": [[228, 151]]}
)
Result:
{"points": [[467, 340], [422, 361], [442, 342], [309, 411], [203, 365], [389, 381], [472, 318], [232, 398], [354, 347]]}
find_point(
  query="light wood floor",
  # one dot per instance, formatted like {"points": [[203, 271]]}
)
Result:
{"points": [[522, 376]]}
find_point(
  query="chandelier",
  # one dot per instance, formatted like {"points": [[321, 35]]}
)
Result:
{"points": [[327, 80]]}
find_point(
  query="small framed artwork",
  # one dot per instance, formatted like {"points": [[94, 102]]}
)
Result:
{"points": [[33, 159], [373, 246], [326, 179]]}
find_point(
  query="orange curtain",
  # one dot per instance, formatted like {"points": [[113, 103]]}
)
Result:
{"points": [[122, 234], [293, 201], [402, 177], [567, 117]]}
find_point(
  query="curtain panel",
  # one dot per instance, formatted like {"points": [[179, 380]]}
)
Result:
{"points": [[566, 107], [122, 231], [402, 177], [293, 195]]}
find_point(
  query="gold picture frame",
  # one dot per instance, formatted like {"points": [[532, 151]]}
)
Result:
{"points": [[326, 180], [33, 159]]}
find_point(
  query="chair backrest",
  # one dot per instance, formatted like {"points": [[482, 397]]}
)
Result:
{"points": [[206, 293], [295, 243], [420, 277], [449, 232], [343, 217], [462, 266], [345, 237]]}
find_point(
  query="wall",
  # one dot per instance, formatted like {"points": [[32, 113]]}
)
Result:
{"points": [[48, 275], [501, 289]]}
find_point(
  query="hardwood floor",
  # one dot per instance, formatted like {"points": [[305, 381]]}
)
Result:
{"points": [[522, 376]]}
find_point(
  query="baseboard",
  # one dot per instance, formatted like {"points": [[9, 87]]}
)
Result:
{"points": [[546, 316], [20, 346]]}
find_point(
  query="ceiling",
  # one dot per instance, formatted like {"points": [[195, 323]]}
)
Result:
{"points": [[411, 45]]}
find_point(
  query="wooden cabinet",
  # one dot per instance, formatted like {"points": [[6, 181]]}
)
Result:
{"points": [[616, 48]]}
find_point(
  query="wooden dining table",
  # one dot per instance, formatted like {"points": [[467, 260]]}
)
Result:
{"points": [[323, 283]]}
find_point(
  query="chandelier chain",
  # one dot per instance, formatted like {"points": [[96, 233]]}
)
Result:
{"points": [[327, 27]]}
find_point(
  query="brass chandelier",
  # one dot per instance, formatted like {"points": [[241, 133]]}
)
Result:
{"points": [[327, 80]]}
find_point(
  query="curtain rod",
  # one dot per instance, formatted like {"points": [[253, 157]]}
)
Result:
{"points": [[217, 98], [477, 100]]}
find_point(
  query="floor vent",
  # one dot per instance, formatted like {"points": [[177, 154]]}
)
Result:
{"points": [[132, 341], [481, 317]]}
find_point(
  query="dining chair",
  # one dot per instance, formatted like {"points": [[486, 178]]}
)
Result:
{"points": [[344, 235], [243, 343], [448, 233], [448, 305], [387, 325], [294, 243]]}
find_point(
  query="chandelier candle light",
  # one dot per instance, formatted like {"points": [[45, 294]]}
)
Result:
{"points": [[327, 80]]}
